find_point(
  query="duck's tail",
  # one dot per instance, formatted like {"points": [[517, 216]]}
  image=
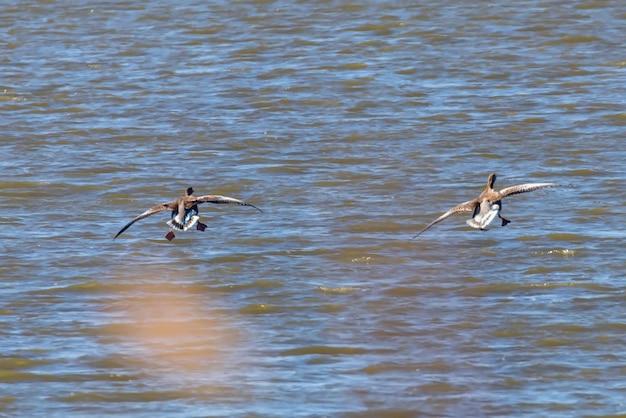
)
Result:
{"points": [[483, 219], [183, 226]]}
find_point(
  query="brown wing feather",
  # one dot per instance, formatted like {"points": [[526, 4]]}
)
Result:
{"points": [[525, 188], [155, 209], [217, 199], [468, 206]]}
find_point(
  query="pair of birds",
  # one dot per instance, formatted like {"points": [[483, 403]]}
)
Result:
{"points": [[484, 208]]}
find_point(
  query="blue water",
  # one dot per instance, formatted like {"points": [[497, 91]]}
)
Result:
{"points": [[351, 126]]}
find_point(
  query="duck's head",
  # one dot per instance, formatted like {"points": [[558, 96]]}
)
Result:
{"points": [[189, 191], [491, 180]]}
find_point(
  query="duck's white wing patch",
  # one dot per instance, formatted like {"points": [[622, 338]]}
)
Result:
{"points": [[487, 214]]}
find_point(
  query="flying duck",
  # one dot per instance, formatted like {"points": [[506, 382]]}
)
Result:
{"points": [[488, 204], [185, 212]]}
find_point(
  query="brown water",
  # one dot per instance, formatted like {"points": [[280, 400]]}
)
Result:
{"points": [[352, 125]]}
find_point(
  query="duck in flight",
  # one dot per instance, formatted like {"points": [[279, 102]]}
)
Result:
{"points": [[185, 212], [488, 204]]}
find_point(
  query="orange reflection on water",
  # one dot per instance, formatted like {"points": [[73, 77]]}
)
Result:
{"points": [[173, 328]]}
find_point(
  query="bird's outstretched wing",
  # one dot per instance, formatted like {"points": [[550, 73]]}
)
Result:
{"points": [[468, 206], [217, 199], [524, 188], [155, 209]]}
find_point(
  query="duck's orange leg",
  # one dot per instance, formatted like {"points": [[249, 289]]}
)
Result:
{"points": [[170, 235], [200, 226]]}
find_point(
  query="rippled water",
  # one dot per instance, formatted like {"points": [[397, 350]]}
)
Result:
{"points": [[352, 125]]}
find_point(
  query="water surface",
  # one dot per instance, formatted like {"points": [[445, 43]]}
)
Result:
{"points": [[352, 125]]}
